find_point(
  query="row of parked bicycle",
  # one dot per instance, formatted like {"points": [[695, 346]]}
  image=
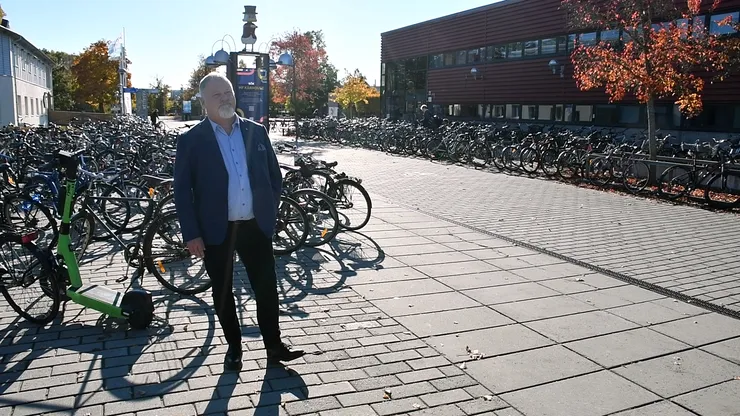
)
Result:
{"points": [[123, 199], [701, 171]]}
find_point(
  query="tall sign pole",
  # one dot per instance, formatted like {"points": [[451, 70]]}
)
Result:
{"points": [[122, 73]]}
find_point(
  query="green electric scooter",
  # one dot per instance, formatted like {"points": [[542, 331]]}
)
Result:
{"points": [[135, 305]]}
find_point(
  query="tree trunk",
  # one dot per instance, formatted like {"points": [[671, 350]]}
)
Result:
{"points": [[652, 142], [651, 129]]}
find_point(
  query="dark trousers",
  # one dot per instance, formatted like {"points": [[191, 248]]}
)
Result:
{"points": [[255, 251]]}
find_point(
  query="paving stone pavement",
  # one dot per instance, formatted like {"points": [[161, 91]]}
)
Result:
{"points": [[685, 249], [451, 322]]}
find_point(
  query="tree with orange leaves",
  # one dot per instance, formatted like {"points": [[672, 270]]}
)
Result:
{"points": [[97, 76], [315, 76], [652, 60]]}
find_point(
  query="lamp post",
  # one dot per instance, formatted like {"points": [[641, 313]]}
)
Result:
{"points": [[221, 57], [553, 64], [286, 59]]}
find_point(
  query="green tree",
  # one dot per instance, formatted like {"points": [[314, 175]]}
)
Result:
{"points": [[64, 82], [161, 101], [196, 75]]}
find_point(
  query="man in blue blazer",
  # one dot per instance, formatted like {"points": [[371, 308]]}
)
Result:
{"points": [[227, 190]]}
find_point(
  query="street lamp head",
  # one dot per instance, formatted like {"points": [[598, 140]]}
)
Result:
{"points": [[210, 61], [553, 65], [273, 64], [221, 57], [285, 59], [473, 71]]}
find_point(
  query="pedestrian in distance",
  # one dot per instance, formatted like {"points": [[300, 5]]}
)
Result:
{"points": [[227, 190], [154, 116]]}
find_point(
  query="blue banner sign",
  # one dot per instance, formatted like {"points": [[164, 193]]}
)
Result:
{"points": [[252, 94]]}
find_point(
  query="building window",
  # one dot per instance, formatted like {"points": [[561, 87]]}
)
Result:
{"points": [[462, 58], [18, 105], [436, 61], [736, 118], [531, 48], [562, 44], [605, 115], [572, 42], [588, 39], [25, 102], [549, 46], [38, 111], [484, 111], [496, 52], [515, 50], [698, 25], [717, 28], [583, 113], [513, 111], [610, 36], [629, 114], [558, 113], [544, 112], [529, 112], [476, 55], [499, 111]]}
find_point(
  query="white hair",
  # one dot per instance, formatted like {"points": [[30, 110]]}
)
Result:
{"points": [[206, 79]]}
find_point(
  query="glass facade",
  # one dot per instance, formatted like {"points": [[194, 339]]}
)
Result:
{"points": [[405, 84]]}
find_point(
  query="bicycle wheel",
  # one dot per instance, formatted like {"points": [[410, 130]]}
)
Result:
{"points": [[115, 213], [567, 165], [635, 176], [353, 203], [723, 191], [322, 215], [25, 273], [141, 205], [81, 228], [549, 162], [599, 171], [675, 182], [497, 156], [529, 160], [166, 204], [168, 259], [21, 212], [291, 228]]}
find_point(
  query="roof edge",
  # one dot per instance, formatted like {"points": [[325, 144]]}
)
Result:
{"points": [[34, 49], [454, 15]]}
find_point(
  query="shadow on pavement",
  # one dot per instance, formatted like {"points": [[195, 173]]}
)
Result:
{"points": [[112, 367], [278, 380]]}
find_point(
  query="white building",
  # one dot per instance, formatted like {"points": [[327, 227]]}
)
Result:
{"points": [[25, 80]]}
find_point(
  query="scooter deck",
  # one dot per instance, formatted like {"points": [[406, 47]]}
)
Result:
{"points": [[98, 297]]}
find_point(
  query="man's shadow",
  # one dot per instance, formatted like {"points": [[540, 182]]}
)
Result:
{"points": [[278, 380]]}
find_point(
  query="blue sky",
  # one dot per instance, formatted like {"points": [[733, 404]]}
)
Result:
{"points": [[165, 37]]}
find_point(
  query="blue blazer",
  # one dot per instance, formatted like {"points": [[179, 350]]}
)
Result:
{"points": [[201, 181]]}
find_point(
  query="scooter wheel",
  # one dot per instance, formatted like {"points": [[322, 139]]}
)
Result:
{"points": [[137, 305]]}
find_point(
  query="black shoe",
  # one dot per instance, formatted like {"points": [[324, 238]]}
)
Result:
{"points": [[233, 359], [283, 353]]}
